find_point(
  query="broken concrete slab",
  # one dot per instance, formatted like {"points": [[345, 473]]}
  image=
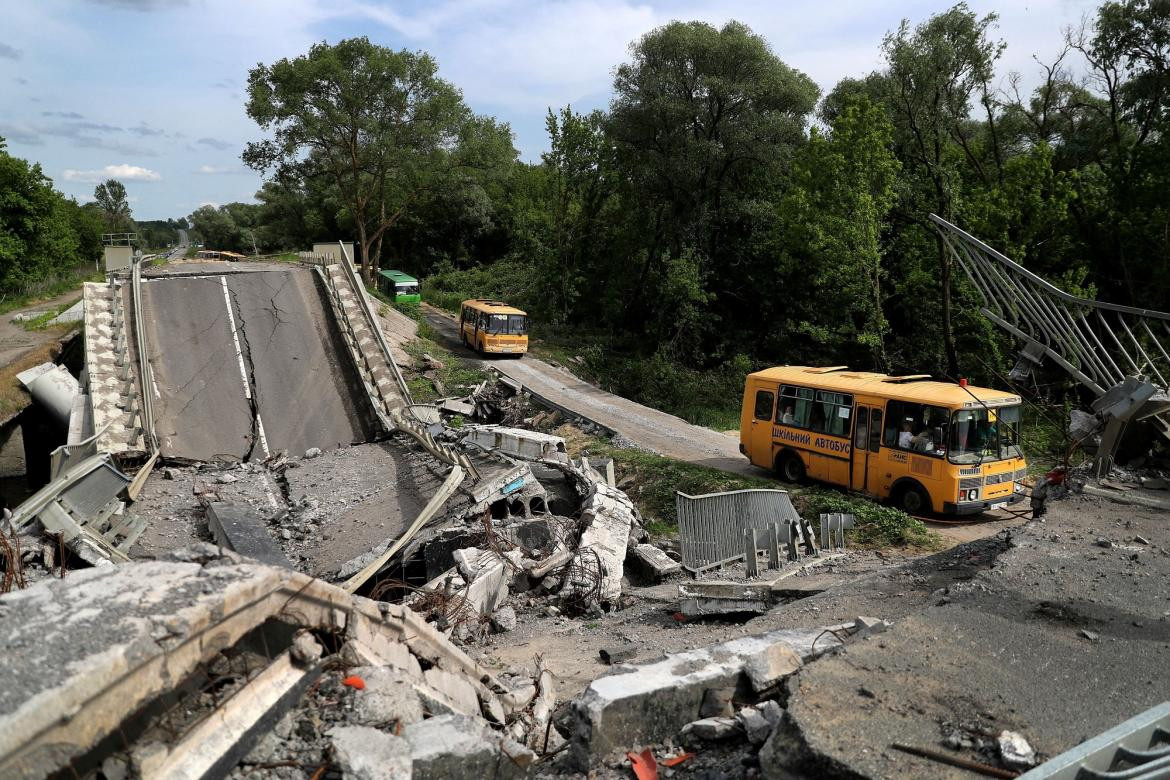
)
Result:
{"points": [[517, 442], [654, 563], [450, 746], [649, 703], [388, 698], [365, 753], [455, 691], [597, 567], [119, 637], [242, 529], [718, 597]]}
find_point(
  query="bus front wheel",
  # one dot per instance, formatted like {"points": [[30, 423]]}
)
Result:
{"points": [[912, 499], [791, 468]]}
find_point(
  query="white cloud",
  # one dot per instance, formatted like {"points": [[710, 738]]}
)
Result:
{"points": [[214, 169], [123, 171]]}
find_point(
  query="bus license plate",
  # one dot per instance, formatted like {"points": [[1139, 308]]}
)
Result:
{"points": [[1000, 505]]}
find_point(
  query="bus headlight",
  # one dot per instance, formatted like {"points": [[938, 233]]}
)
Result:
{"points": [[969, 495]]}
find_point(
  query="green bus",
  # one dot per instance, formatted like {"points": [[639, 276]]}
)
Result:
{"points": [[398, 286]]}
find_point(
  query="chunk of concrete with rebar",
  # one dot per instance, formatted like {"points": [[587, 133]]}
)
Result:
{"points": [[595, 572]]}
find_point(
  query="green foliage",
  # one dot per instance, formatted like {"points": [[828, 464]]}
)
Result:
{"points": [[875, 525], [379, 125], [697, 228], [44, 237], [111, 199]]}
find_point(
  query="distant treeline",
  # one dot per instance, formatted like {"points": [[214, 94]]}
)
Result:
{"points": [[723, 213]]}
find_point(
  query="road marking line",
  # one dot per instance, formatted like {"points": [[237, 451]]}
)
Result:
{"points": [[227, 301]]}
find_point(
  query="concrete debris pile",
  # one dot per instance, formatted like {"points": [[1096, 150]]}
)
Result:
{"points": [[204, 664], [724, 692], [571, 564]]}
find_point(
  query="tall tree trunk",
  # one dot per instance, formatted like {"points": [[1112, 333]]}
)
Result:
{"points": [[365, 244]]}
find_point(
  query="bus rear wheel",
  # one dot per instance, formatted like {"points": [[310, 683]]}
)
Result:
{"points": [[791, 468], [912, 499]]}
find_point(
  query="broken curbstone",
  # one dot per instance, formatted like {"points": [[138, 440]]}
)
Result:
{"points": [[458, 746], [617, 655], [770, 665], [365, 753], [712, 729], [389, 697]]}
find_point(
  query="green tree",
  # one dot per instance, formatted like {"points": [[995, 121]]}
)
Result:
{"points": [[843, 187], [218, 229], [111, 199], [935, 71], [38, 239], [376, 121], [703, 122]]}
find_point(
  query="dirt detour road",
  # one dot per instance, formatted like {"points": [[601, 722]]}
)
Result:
{"points": [[657, 431]]}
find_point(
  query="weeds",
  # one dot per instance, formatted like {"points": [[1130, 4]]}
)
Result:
{"points": [[876, 525], [456, 376], [49, 288]]}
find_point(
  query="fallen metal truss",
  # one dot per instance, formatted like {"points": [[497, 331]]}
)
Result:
{"points": [[1138, 749], [1120, 353]]}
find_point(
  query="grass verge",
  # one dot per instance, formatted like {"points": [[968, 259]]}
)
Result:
{"points": [[51, 288], [651, 482], [454, 376]]}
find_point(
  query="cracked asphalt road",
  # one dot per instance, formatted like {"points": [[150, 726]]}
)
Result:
{"points": [[289, 385]]}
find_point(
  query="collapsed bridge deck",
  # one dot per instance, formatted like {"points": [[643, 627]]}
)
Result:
{"points": [[247, 361]]}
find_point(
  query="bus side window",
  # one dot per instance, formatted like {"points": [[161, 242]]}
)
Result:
{"points": [[861, 429], [893, 423], [875, 431], [764, 401]]}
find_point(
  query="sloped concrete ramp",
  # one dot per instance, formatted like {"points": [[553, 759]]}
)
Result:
{"points": [[247, 361]]}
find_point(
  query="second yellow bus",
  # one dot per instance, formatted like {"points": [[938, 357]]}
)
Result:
{"points": [[493, 327]]}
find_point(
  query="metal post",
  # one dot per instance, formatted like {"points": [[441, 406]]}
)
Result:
{"points": [[750, 553], [792, 533], [773, 546]]}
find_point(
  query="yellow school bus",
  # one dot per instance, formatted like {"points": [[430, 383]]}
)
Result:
{"points": [[493, 327], [927, 446]]}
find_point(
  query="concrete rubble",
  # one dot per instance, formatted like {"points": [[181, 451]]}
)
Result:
{"points": [[417, 698]]}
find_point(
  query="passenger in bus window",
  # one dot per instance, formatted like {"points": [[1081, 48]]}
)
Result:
{"points": [[787, 418], [817, 418], [906, 436]]}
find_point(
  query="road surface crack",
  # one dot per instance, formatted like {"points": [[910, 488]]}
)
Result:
{"points": [[250, 367]]}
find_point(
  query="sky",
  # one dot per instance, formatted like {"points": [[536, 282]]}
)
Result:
{"points": [[152, 92]]}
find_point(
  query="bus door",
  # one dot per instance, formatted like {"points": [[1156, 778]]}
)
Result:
{"points": [[760, 435], [864, 464]]}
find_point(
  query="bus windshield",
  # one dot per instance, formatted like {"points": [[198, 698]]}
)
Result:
{"points": [[512, 324], [980, 434]]}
